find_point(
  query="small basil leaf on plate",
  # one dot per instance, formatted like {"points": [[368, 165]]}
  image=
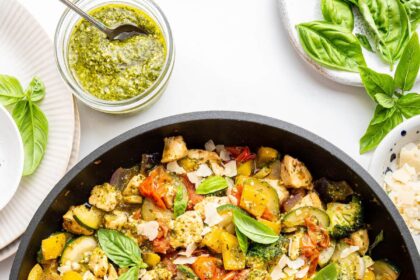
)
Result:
{"points": [[376, 132], [384, 100], [409, 105], [375, 82], [36, 90], [364, 42], [254, 230], [33, 127], [121, 249], [331, 45], [412, 8], [354, 2], [181, 200], [338, 12], [131, 274], [408, 67], [10, 90], [242, 240], [381, 114], [389, 23], [212, 184]]}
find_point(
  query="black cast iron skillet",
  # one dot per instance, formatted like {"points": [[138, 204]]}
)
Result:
{"points": [[230, 128]]}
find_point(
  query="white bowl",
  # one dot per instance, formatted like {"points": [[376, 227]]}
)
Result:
{"points": [[11, 157], [384, 157]]}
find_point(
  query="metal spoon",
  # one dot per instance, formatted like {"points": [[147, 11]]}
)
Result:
{"points": [[120, 33]]}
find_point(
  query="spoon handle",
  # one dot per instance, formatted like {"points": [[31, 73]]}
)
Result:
{"points": [[89, 18]]}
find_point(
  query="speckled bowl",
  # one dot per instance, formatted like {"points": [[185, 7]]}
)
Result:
{"points": [[385, 155]]}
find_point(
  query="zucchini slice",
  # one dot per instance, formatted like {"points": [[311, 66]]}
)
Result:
{"points": [[297, 217], [90, 218], [187, 272], [326, 254], [385, 271], [74, 251]]}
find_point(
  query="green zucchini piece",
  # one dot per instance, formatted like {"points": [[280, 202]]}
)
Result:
{"points": [[326, 254], [75, 250], [297, 217], [187, 272], [90, 218]]}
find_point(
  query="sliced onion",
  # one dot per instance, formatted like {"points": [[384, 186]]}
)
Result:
{"points": [[209, 146], [296, 264], [230, 169], [203, 170], [348, 251]]}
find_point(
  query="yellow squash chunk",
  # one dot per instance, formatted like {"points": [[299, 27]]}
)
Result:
{"points": [[36, 273], [151, 259], [53, 246], [233, 257], [253, 200], [369, 275], [266, 155], [213, 239], [275, 226], [246, 168], [72, 275]]}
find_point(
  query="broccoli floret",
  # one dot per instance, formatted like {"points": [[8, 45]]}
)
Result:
{"points": [[345, 218], [262, 256], [258, 274], [332, 191]]}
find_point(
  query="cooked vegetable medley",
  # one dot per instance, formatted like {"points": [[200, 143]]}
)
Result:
{"points": [[221, 213]]}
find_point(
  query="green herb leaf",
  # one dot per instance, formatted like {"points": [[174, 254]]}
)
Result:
{"points": [[382, 114], [389, 23], [376, 132], [121, 249], [10, 90], [181, 200], [412, 7], [338, 12], [354, 2], [378, 239], [331, 46], [364, 42], [330, 272], [254, 230], [33, 127], [375, 82], [212, 184], [409, 105], [242, 240], [408, 67], [36, 90], [131, 274], [384, 100]]}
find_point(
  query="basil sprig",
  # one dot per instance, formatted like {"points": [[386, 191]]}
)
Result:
{"points": [[123, 251], [393, 104], [29, 118], [181, 200], [338, 12], [212, 184], [254, 230], [364, 42], [242, 240]]}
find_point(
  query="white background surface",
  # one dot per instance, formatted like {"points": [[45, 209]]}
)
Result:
{"points": [[232, 55]]}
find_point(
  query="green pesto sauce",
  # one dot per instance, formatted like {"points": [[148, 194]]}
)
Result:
{"points": [[114, 70]]}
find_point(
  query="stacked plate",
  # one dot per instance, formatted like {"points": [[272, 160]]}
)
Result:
{"points": [[26, 51]]}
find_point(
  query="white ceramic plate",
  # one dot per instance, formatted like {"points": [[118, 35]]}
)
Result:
{"points": [[11, 157], [384, 157], [26, 51], [294, 12]]}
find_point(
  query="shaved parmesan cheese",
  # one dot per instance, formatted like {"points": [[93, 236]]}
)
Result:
{"points": [[233, 199], [189, 250], [224, 155], [192, 176], [302, 273], [410, 154], [348, 251], [219, 148], [185, 260], [211, 214], [206, 230], [405, 174], [203, 170], [277, 272], [298, 263], [289, 271], [148, 229], [174, 167], [217, 168], [360, 268], [230, 169], [209, 146]]}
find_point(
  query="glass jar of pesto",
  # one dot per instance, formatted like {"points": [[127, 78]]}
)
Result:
{"points": [[115, 76]]}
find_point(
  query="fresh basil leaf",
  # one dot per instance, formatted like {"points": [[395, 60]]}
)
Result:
{"points": [[33, 127], [389, 23], [408, 67], [131, 274], [254, 230], [121, 249], [376, 132], [378, 239], [381, 114], [375, 82], [354, 2], [212, 184], [364, 42], [338, 12], [181, 200], [384, 100], [36, 90], [331, 46], [409, 105], [242, 240], [10, 90], [412, 8]]}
